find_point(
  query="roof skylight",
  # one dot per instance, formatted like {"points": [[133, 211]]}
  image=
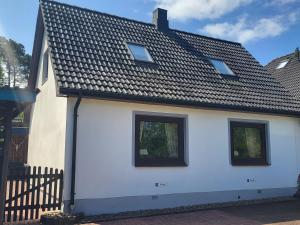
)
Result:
{"points": [[282, 64], [221, 67], [139, 52]]}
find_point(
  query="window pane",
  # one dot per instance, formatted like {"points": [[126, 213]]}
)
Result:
{"points": [[45, 65], [221, 67], [247, 143], [282, 64], [139, 52], [158, 140]]}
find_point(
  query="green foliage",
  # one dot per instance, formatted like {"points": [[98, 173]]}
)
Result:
{"points": [[246, 142], [19, 120], [154, 139], [15, 63]]}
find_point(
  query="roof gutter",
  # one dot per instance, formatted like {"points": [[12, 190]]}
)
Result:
{"points": [[153, 100], [74, 149]]}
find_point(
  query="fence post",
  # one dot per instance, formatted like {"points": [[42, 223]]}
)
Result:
{"points": [[22, 197], [27, 189], [61, 188], [50, 189], [4, 166], [45, 188], [55, 189], [10, 191], [16, 192], [38, 193], [33, 193]]}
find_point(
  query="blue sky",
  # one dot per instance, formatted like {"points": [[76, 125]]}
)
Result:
{"points": [[267, 28]]}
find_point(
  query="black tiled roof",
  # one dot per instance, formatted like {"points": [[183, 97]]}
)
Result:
{"points": [[289, 76], [90, 56]]}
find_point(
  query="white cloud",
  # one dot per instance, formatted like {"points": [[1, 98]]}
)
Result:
{"points": [[293, 17], [199, 9], [244, 31]]}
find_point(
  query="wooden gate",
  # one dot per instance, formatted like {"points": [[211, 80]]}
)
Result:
{"points": [[32, 192], [19, 145]]}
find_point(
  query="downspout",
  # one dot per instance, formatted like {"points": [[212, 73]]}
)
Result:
{"points": [[74, 148]]}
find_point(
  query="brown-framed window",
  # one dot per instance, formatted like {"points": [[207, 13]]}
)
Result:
{"points": [[159, 141], [248, 143]]}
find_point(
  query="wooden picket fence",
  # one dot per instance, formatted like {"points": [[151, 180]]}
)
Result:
{"points": [[32, 192]]}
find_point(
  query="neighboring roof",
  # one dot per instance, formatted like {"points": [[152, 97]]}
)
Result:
{"points": [[289, 76], [89, 54], [15, 100]]}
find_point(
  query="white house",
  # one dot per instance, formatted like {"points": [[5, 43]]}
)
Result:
{"points": [[142, 116]]}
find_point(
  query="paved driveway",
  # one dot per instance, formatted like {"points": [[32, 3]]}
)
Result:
{"points": [[284, 213]]}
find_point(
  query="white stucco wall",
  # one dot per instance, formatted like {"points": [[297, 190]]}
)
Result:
{"points": [[297, 140], [48, 122], [105, 166]]}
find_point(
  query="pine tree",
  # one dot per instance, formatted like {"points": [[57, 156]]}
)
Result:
{"points": [[1, 73], [14, 62]]}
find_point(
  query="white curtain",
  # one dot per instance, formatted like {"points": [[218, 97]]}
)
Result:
{"points": [[172, 139], [141, 130]]}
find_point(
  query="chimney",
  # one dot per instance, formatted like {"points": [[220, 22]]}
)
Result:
{"points": [[297, 54], [160, 19]]}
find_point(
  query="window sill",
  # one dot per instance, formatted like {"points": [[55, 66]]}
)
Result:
{"points": [[160, 164], [250, 164]]}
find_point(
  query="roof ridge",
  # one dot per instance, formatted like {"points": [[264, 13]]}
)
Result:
{"points": [[286, 55], [207, 37], [280, 57], [97, 12], [137, 21]]}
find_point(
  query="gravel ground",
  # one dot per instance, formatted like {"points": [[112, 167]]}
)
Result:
{"points": [[279, 213], [283, 213]]}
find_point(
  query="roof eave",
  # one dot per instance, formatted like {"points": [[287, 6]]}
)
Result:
{"points": [[157, 100]]}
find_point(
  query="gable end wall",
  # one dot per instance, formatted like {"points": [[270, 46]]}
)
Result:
{"points": [[48, 122]]}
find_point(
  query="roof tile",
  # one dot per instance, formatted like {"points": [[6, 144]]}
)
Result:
{"points": [[89, 54]]}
